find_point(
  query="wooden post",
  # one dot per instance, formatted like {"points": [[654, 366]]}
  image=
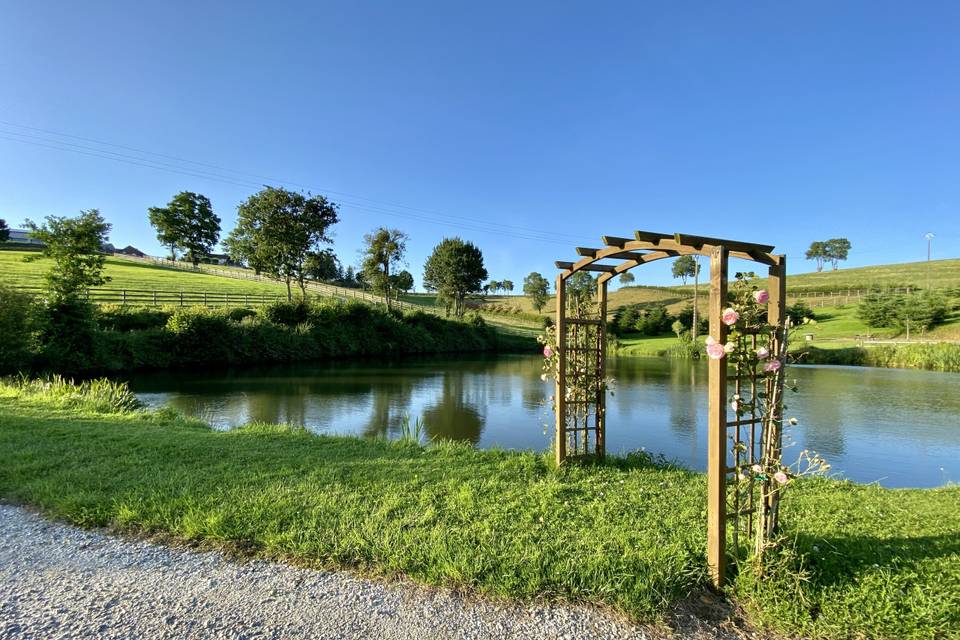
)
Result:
{"points": [[602, 370], [777, 288], [717, 425], [560, 388]]}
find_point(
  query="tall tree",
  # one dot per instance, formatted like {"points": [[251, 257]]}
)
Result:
{"points": [[454, 270], [74, 245], [835, 250], [507, 285], [188, 223], [4, 231], [537, 288], [581, 287], [684, 267], [278, 229], [383, 251], [818, 252], [626, 278]]}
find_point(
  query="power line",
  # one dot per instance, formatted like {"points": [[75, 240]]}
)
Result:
{"points": [[385, 207]]}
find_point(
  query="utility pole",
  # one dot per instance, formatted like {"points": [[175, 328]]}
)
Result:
{"points": [[929, 236]]}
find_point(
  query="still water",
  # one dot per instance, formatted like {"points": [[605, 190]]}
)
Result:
{"points": [[900, 428]]}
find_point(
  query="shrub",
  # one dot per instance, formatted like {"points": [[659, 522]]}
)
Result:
{"points": [[201, 335], [68, 336], [289, 314], [17, 324], [799, 311], [114, 317], [103, 396]]}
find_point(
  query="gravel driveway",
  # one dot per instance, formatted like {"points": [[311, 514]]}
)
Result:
{"points": [[57, 581]]}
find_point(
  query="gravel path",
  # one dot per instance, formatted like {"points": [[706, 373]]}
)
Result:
{"points": [[57, 581]]}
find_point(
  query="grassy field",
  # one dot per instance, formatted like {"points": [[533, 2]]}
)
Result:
{"points": [[128, 274], [860, 561]]}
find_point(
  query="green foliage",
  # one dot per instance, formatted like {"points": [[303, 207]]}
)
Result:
{"points": [[4, 231], [68, 336], [919, 311], [454, 270], [403, 281], [323, 266], [74, 244], [685, 267], [277, 230], [383, 250], [642, 319], [941, 356], [202, 335], [581, 289], [115, 317], [799, 312], [188, 223], [818, 252], [97, 396], [18, 316], [627, 278], [833, 251], [537, 288]]}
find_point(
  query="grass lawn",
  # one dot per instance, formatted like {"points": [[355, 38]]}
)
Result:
{"points": [[131, 275], [874, 562]]}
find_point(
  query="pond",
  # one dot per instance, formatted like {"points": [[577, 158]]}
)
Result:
{"points": [[900, 428]]}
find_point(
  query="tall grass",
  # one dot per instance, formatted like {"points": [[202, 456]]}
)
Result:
{"points": [[941, 356], [98, 396]]}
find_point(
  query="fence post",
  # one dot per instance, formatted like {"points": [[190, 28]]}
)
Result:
{"points": [[205, 298], [154, 297], [123, 294], [181, 297]]}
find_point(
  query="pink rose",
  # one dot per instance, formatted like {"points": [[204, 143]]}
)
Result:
{"points": [[772, 366], [730, 317], [710, 340], [761, 296], [763, 353], [780, 477], [715, 351], [757, 468], [729, 347], [547, 351]]}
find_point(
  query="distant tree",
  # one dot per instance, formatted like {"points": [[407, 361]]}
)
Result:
{"points": [[187, 223], [507, 285], [684, 267], [677, 327], [818, 252], [4, 231], [835, 250], [74, 245], [581, 287], [454, 270], [403, 281], [537, 288], [383, 251], [626, 278], [494, 286], [349, 279], [323, 266], [278, 229]]}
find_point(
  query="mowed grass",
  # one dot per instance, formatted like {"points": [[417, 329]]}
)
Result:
{"points": [[132, 275], [861, 561]]}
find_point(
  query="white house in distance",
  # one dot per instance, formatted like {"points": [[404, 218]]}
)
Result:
{"points": [[22, 236]]}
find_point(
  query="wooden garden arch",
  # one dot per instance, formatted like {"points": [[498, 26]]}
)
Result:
{"points": [[581, 350]]}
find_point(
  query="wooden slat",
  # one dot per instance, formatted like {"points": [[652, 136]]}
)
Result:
{"points": [[586, 251], [698, 242], [560, 388], [614, 241], [652, 236], [602, 268], [716, 425], [602, 395]]}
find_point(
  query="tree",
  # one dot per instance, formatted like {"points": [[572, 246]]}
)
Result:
{"points": [[677, 327], [403, 281], [494, 285], [507, 285], [835, 250], [626, 278], [581, 287], [349, 279], [818, 252], [323, 266], [685, 267], [74, 245], [383, 251], [4, 231], [537, 288], [454, 270], [188, 223], [278, 229]]}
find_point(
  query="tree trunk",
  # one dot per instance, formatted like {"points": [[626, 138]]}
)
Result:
{"points": [[696, 290], [289, 293]]}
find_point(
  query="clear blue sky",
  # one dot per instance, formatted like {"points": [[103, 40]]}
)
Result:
{"points": [[528, 128]]}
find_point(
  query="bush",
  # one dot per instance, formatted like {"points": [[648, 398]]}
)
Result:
{"points": [[17, 323], [798, 312], [289, 314], [201, 335], [114, 317], [68, 336]]}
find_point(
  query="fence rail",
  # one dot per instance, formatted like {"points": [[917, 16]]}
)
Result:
{"points": [[161, 298], [329, 290]]}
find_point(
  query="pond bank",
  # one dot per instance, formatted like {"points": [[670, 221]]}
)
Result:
{"points": [[628, 533]]}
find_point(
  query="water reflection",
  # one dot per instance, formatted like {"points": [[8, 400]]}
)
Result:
{"points": [[897, 427]]}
